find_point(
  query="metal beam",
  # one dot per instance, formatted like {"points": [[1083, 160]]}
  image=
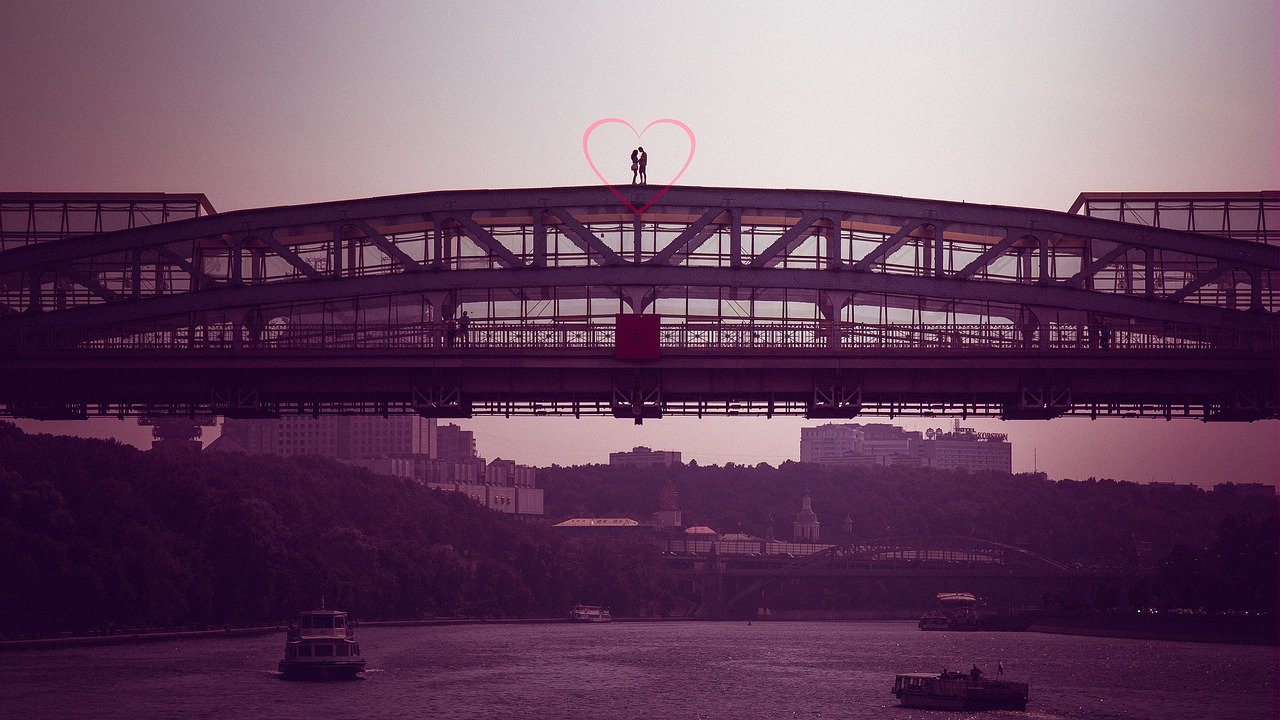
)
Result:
{"points": [[889, 246], [945, 213], [795, 233], [947, 288], [690, 239], [581, 236], [386, 246], [991, 253], [1092, 268], [289, 256], [89, 283], [486, 240]]}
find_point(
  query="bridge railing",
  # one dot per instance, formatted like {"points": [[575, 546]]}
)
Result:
{"points": [[692, 336]]}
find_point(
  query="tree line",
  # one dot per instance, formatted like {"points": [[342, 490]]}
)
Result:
{"points": [[1183, 546], [96, 535]]}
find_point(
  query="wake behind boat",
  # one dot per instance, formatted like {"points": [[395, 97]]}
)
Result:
{"points": [[321, 645]]}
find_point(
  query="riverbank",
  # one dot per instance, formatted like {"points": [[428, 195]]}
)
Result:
{"points": [[129, 637], [1242, 630], [1236, 629]]}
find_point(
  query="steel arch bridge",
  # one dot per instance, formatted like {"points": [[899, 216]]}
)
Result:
{"points": [[712, 301], [951, 557]]}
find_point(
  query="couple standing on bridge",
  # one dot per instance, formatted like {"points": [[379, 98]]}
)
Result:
{"points": [[639, 160]]}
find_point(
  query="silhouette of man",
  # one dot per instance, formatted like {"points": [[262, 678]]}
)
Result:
{"points": [[463, 323], [644, 162]]}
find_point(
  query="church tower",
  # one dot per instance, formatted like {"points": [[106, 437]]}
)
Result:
{"points": [[668, 515], [806, 526]]}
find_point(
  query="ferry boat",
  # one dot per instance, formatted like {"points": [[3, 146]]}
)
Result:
{"points": [[589, 613], [956, 611], [959, 691], [321, 645]]}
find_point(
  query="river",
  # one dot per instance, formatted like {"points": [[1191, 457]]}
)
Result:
{"points": [[657, 670]]}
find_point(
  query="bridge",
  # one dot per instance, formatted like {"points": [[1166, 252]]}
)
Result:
{"points": [[734, 579], [730, 301]]}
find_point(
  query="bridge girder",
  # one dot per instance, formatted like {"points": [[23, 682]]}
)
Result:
{"points": [[944, 556], [861, 233], [729, 264], [951, 290]]}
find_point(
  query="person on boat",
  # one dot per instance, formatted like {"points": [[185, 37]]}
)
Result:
{"points": [[975, 673]]}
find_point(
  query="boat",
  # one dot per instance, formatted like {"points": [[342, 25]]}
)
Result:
{"points": [[321, 645], [956, 611], [933, 620], [589, 613], [959, 691]]}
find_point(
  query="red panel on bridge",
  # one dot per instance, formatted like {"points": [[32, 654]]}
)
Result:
{"points": [[636, 337]]}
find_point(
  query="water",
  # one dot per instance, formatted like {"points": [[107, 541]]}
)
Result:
{"points": [[693, 670]]}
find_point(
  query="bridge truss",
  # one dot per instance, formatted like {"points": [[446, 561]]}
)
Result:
{"points": [[733, 582], [713, 301]]}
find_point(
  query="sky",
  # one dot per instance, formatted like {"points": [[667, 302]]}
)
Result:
{"points": [[260, 103]]}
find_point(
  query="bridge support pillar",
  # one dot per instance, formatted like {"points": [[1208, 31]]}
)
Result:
{"points": [[440, 401], [1039, 401], [241, 403], [836, 398], [636, 400], [832, 305]]}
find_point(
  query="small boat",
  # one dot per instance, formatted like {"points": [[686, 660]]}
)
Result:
{"points": [[589, 613], [321, 645], [959, 691]]}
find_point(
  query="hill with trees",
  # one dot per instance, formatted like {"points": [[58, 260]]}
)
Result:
{"points": [[96, 535], [1218, 550]]}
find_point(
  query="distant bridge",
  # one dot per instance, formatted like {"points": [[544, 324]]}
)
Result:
{"points": [[725, 301], [730, 581]]}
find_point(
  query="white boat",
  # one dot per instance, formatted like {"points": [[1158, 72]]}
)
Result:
{"points": [[321, 645], [589, 613], [956, 611]]}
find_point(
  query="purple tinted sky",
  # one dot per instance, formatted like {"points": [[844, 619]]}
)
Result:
{"points": [[260, 103]]}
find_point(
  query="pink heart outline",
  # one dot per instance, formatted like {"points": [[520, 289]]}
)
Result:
{"points": [[693, 144]]}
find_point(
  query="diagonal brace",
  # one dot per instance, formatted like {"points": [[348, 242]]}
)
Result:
{"points": [[1201, 280], [689, 240], [289, 256], [386, 246], [91, 284], [1106, 259], [782, 244], [486, 240], [887, 248], [201, 280], [585, 239], [988, 255]]}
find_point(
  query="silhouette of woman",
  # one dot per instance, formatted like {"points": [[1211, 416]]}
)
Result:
{"points": [[635, 165]]}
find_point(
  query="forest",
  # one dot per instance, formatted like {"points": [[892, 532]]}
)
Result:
{"points": [[1184, 546], [96, 535], [99, 536]]}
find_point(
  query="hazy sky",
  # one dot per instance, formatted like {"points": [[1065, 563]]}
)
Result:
{"points": [[261, 103]]}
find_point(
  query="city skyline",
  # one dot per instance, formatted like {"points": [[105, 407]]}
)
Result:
{"points": [[255, 105]]}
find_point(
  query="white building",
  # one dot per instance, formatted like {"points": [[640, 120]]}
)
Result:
{"points": [[644, 456]]}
